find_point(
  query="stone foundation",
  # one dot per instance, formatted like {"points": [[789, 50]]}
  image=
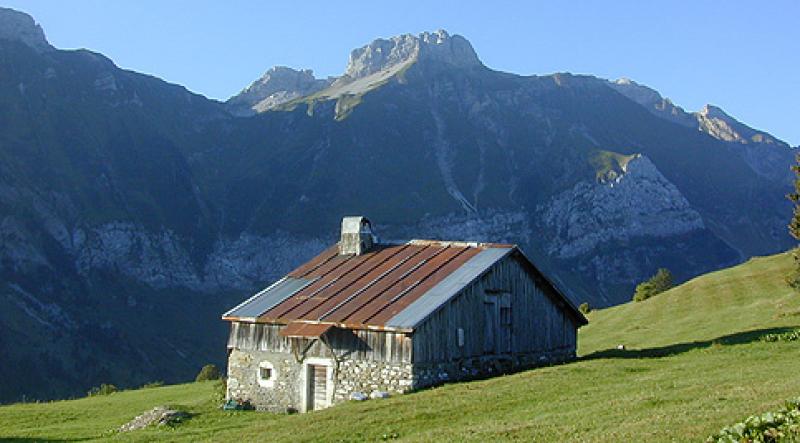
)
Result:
{"points": [[369, 376], [432, 374], [286, 392]]}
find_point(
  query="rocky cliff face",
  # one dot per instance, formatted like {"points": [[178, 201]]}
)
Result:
{"points": [[383, 54], [133, 212], [639, 202], [18, 26], [277, 86], [718, 124]]}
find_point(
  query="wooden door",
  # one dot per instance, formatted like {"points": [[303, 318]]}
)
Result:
{"points": [[497, 315], [317, 387], [489, 325], [504, 325]]}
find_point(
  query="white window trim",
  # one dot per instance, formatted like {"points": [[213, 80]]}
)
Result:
{"points": [[328, 363], [266, 382]]}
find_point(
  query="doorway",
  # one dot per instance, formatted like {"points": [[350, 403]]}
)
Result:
{"points": [[318, 384]]}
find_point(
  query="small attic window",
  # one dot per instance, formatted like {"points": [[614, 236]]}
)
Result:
{"points": [[266, 374]]}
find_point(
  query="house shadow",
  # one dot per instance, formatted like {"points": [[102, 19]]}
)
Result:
{"points": [[738, 338]]}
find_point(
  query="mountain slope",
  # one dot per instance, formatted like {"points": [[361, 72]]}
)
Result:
{"points": [[126, 201], [693, 363]]}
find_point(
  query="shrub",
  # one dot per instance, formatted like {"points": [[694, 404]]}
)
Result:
{"points": [[220, 390], [152, 384], [584, 308], [103, 389], [785, 336], [209, 372], [658, 283], [781, 426]]}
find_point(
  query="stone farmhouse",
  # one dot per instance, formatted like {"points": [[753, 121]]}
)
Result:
{"points": [[365, 318]]}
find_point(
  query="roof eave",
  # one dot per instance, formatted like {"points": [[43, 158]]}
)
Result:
{"points": [[349, 326]]}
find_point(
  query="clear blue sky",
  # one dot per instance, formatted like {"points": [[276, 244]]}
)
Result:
{"points": [[741, 56]]}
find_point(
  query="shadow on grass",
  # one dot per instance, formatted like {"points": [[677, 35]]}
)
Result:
{"points": [[665, 351], [32, 439]]}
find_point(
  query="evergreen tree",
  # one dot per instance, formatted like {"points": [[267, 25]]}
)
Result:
{"points": [[658, 283], [793, 279]]}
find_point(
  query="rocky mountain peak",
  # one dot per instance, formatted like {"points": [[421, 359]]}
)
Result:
{"points": [[278, 85], [641, 94], [711, 111], [18, 26], [652, 100], [383, 54], [719, 124]]}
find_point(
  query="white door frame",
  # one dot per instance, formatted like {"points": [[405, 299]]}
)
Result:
{"points": [[328, 363]]}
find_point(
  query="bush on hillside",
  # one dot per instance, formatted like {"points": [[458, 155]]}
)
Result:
{"points": [[781, 426], [152, 384], [209, 372], [657, 284], [784, 336], [103, 389], [584, 308]]}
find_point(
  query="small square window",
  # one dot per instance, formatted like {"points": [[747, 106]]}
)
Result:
{"points": [[265, 374]]}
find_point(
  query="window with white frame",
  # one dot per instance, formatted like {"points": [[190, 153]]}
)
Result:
{"points": [[266, 374]]}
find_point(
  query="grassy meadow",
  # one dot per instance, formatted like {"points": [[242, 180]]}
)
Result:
{"points": [[693, 362]]}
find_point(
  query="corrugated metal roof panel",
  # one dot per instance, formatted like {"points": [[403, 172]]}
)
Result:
{"points": [[446, 288], [268, 298], [428, 276], [305, 330]]}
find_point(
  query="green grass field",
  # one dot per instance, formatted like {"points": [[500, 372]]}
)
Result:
{"points": [[692, 363]]}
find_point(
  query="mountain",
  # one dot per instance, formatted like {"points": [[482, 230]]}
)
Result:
{"points": [[133, 211], [278, 85], [765, 154]]}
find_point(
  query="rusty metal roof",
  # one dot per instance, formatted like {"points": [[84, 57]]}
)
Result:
{"points": [[390, 287], [305, 330]]}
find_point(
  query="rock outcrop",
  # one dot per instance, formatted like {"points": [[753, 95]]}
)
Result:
{"points": [[640, 202], [277, 86], [18, 26], [383, 54], [159, 416]]}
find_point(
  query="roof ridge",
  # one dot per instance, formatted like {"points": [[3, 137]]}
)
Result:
{"points": [[458, 243]]}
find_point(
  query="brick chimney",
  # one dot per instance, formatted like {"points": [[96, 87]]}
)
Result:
{"points": [[357, 237]]}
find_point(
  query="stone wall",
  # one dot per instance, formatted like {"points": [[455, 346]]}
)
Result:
{"points": [[286, 392], [432, 374], [369, 376]]}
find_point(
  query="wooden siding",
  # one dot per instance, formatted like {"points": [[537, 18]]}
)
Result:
{"points": [[538, 323], [348, 344]]}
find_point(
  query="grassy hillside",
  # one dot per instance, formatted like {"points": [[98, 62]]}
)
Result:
{"points": [[693, 363]]}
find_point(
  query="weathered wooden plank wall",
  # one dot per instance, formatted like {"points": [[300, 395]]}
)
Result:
{"points": [[538, 324], [357, 345]]}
